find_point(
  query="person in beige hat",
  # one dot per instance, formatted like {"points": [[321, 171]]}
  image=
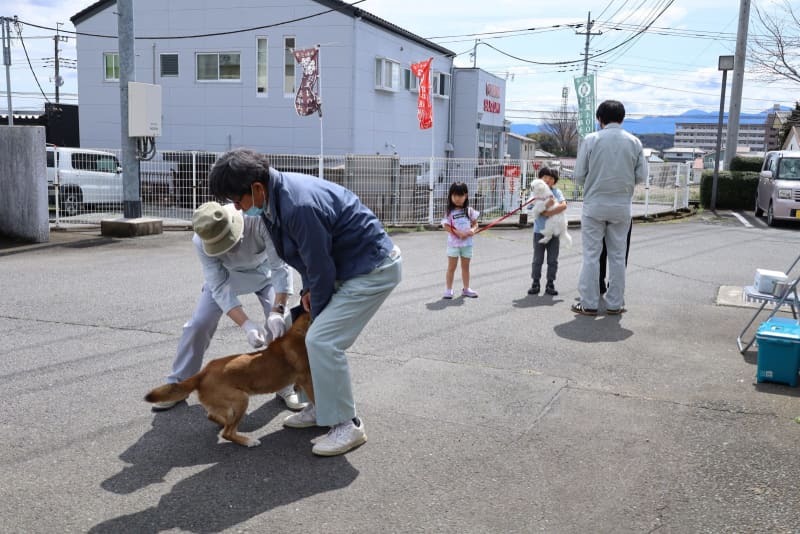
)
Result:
{"points": [[237, 257]]}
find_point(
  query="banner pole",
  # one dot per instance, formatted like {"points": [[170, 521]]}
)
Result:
{"points": [[431, 185], [319, 94]]}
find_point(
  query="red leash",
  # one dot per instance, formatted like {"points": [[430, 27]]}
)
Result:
{"points": [[504, 217]]}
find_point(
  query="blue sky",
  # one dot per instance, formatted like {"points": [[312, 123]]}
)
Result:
{"points": [[670, 69]]}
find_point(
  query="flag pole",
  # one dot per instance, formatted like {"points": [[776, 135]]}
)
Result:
{"points": [[319, 93], [433, 151]]}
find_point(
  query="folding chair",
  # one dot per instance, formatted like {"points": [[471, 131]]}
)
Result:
{"points": [[787, 297]]}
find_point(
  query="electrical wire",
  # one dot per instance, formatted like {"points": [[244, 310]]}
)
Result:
{"points": [[36, 78], [231, 32]]}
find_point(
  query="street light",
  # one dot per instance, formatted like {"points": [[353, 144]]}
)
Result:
{"points": [[725, 64]]}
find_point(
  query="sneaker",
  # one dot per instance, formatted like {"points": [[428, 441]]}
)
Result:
{"points": [[448, 294], [534, 290], [340, 439], [304, 419], [289, 396], [550, 289], [580, 310], [164, 406], [467, 292]]}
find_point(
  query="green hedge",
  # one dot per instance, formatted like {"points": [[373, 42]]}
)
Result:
{"points": [[735, 190], [740, 163]]}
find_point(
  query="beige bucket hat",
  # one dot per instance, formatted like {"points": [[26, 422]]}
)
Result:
{"points": [[220, 227]]}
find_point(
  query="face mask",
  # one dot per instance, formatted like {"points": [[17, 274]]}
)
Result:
{"points": [[254, 211]]}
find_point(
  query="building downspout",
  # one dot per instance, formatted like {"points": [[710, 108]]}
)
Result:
{"points": [[354, 96]]}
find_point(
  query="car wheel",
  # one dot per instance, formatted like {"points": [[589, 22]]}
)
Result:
{"points": [[70, 201], [758, 211], [771, 216]]}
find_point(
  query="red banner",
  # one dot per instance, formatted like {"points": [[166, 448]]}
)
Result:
{"points": [[307, 100], [422, 70]]}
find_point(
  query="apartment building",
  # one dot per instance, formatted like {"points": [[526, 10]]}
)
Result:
{"points": [[704, 135]]}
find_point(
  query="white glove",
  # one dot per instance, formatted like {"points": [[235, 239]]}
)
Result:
{"points": [[256, 335], [276, 324]]}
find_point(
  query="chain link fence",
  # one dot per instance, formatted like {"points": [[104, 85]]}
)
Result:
{"points": [[402, 191]]}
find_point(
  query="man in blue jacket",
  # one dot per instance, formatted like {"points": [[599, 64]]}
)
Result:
{"points": [[348, 266]]}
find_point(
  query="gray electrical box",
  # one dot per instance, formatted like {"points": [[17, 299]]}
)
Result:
{"points": [[144, 110]]}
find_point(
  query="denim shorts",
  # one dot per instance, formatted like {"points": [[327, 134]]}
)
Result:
{"points": [[455, 252]]}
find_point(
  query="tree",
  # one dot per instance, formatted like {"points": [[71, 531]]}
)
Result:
{"points": [[562, 125], [545, 141], [775, 46], [792, 120]]}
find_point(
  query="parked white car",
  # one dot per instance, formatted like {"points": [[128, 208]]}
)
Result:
{"points": [[778, 191], [84, 177]]}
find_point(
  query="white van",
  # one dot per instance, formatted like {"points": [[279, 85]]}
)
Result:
{"points": [[84, 177], [778, 191]]}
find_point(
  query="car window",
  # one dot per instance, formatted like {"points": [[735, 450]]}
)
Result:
{"points": [[51, 159], [106, 164], [789, 169]]}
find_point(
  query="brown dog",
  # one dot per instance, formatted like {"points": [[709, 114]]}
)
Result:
{"points": [[224, 385]]}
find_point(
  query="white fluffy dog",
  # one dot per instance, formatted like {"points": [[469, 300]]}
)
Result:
{"points": [[556, 225]]}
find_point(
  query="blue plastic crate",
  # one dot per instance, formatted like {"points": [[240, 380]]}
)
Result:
{"points": [[778, 351]]}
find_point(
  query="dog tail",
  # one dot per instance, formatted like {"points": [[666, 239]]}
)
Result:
{"points": [[173, 392]]}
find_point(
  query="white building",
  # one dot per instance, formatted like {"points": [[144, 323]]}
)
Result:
{"points": [[704, 135], [228, 79]]}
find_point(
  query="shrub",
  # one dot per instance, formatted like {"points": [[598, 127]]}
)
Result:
{"points": [[735, 190], [740, 163]]}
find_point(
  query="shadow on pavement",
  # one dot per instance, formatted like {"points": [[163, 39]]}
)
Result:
{"points": [[600, 329], [242, 482]]}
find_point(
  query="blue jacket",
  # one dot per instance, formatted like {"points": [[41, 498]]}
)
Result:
{"points": [[324, 231]]}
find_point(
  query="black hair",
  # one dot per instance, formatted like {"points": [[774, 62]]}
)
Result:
{"points": [[457, 188], [235, 171], [547, 171], [610, 111]]}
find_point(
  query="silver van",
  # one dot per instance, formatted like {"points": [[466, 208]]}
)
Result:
{"points": [[778, 193]]}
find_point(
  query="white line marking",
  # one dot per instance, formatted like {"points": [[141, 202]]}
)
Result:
{"points": [[742, 219]]}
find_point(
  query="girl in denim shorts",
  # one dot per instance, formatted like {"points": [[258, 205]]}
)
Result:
{"points": [[461, 222]]}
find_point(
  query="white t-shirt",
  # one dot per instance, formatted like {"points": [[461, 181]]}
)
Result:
{"points": [[460, 220]]}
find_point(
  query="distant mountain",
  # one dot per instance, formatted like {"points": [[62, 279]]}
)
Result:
{"points": [[656, 124]]}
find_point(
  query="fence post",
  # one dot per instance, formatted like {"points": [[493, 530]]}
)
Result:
{"points": [[647, 196], [430, 194], [194, 180]]}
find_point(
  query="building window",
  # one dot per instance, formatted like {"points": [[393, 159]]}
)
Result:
{"points": [[410, 82], [441, 84], [111, 63], [387, 74], [288, 66], [169, 65], [261, 66], [218, 66]]}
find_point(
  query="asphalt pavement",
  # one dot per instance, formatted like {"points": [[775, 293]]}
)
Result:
{"points": [[505, 413]]}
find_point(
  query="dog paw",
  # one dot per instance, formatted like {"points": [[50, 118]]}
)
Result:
{"points": [[253, 442]]}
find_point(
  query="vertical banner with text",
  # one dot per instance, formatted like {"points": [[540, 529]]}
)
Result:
{"points": [[422, 70], [584, 88]]}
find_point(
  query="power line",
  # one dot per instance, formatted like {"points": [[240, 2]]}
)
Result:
{"points": [[230, 32]]}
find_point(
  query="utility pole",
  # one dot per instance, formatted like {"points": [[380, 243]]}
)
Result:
{"points": [[732, 139], [475, 53], [57, 79], [6, 34], [131, 198], [588, 33]]}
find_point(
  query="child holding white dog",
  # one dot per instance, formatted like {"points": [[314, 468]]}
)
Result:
{"points": [[461, 222], [555, 205]]}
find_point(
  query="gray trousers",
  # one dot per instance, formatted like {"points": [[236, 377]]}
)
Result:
{"points": [[335, 329], [199, 330], [615, 232], [552, 248]]}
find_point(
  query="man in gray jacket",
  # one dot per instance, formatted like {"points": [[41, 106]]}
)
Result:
{"points": [[610, 162]]}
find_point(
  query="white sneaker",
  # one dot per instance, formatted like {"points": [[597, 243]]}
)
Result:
{"points": [[289, 396], [163, 406], [340, 439], [304, 419]]}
